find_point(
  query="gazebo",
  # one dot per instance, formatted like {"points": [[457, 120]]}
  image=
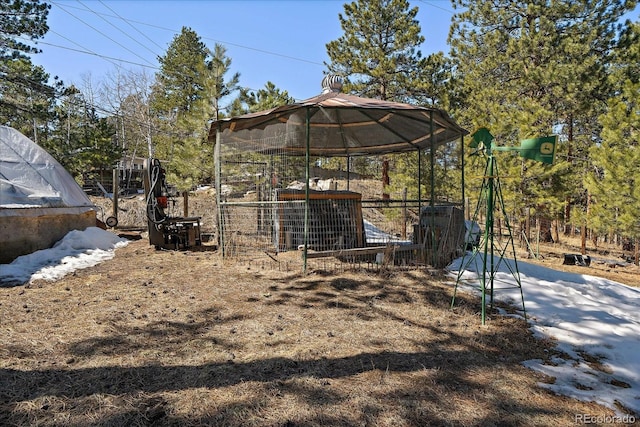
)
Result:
{"points": [[270, 192]]}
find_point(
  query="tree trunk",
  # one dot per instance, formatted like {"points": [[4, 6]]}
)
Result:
{"points": [[385, 179], [556, 234], [583, 231], [568, 228]]}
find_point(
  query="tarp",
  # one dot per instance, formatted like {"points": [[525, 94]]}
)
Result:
{"points": [[31, 178], [339, 124]]}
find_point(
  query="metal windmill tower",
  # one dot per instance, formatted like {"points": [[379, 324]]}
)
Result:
{"points": [[497, 240]]}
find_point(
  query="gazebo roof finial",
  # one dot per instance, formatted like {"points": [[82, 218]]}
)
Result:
{"points": [[331, 83]]}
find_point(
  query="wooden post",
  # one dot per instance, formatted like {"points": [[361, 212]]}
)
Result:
{"points": [[467, 208]]}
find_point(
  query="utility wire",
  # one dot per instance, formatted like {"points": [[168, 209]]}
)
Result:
{"points": [[117, 28], [28, 83], [131, 21], [90, 52], [126, 21], [428, 3], [111, 59], [101, 33]]}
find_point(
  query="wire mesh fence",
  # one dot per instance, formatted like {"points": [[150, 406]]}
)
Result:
{"points": [[350, 213]]}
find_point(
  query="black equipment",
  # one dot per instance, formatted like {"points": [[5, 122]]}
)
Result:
{"points": [[165, 231]]}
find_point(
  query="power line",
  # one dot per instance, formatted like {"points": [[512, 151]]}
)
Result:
{"points": [[437, 7], [111, 59], [120, 30], [89, 52], [101, 33], [128, 23], [28, 83]]}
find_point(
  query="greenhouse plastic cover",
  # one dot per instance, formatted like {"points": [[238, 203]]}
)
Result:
{"points": [[31, 178]]}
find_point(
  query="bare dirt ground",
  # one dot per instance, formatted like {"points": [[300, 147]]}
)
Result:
{"points": [[183, 338]]}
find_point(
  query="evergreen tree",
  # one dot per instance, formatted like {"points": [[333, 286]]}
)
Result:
{"points": [[26, 100], [614, 182], [251, 101], [21, 18], [180, 81], [216, 87], [434, 85], [378, 54], [176, 97], [186, 98], [530, 69]]}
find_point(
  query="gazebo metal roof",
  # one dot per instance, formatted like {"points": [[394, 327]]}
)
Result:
{"points": [[339, 124]]}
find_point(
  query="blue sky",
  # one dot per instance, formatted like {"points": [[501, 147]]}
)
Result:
{"points": [[267, 40], [278, 41]]}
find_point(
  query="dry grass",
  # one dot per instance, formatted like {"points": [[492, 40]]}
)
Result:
{"points": [[181, 338]]}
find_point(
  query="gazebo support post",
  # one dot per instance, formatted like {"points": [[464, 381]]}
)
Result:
{"points": [[216, 162], [306, 193], [420, 237], [348, 171], [432, 161], [419, 178]]}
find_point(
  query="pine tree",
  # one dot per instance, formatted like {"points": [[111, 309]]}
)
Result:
{"points": [[180, 83], [217, 86], [20, 18], [26, 100], [378, 54], [251, 101], [529, 69], [176, 98], [379, 57], [614, 182]]}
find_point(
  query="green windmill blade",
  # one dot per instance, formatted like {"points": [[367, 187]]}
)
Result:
{"points": [[481, 137], [539, 149]]}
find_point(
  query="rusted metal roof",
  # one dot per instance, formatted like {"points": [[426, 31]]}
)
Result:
{"points": [[339, 125]]}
